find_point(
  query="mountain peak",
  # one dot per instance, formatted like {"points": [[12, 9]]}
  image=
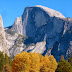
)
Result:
{"points": [[50, 11], [1, 22], [0, 15], [46, 28]]}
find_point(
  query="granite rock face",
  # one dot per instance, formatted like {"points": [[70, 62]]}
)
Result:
{"points": [[15, 42], [3, 44], [17, 26], [33, 18], [64, 46], [48, 29]]}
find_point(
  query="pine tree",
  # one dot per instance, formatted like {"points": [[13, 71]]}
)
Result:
{"points": [[4, 59], [64, 66], [1, 60]]}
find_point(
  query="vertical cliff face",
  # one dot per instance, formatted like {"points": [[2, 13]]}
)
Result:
{"points": [[34, 18], [64, 46], [3, 44], [39, 23]]}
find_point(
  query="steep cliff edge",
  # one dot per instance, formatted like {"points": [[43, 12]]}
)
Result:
{"points": [[3, 44], [48, 29], [33, 18]]}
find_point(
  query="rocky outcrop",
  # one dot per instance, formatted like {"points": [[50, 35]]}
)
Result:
{"points": [[33, 18], [39, 47], [17, 26], [3, 44], [15, 42], [48, 30]]}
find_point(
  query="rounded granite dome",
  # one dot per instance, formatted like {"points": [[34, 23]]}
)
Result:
{"points": [[51, 12]]}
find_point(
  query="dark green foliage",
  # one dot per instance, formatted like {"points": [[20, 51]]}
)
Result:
{"points": [[4, 59], [9, 31], [64, 66], [1, 60], [7, 60], [70, 60]]}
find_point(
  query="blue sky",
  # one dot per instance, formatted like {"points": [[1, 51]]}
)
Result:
{"points": [[10, 9]]}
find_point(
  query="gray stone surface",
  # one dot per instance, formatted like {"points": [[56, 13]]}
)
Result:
{"points": [[15, 42], [64, 46], [48, 29], [3, 44]]}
